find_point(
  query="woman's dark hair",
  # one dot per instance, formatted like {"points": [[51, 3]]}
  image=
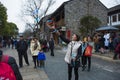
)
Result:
{"points": [[91, 37], [78, 37]]}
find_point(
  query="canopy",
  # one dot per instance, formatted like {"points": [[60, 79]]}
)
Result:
{"points": [[107, 28]]}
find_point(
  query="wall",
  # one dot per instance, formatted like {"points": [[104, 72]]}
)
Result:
{"points": [[76, 9]]}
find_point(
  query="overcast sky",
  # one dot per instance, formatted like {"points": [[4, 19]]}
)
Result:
{"points": [[14, 7]]}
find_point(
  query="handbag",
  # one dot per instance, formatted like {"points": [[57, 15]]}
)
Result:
{"points": [[75, 63], [88, 51]]}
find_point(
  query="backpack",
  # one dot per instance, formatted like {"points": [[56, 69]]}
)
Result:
{"points": [[41, 56], [6, 72]]}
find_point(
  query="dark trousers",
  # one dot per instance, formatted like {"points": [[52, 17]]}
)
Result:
{"points": [[116, 55], [22, 54], [96, 47], [86, 60], [52, 52], [12, 46], [35, 60], [70, 72], [41, 63]]}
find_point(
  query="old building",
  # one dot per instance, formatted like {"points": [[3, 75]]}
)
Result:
{"points": [[76, 9], [68, 15], [114, 16]]}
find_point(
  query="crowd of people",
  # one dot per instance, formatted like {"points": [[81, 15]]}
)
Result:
{"points": [[105, 43], [10, 43], [79, 51]]}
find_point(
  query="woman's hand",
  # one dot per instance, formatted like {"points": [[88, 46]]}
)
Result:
{"points": [[74, 59], [58, 33], [51, 26]]}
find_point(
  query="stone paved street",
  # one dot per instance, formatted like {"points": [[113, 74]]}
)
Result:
{"points": [[103, 67]]}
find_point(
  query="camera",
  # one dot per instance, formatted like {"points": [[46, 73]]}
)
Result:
{"points": [[56, 30]]}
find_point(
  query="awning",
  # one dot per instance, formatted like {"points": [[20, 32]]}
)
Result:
{"points": [[107, 28]]}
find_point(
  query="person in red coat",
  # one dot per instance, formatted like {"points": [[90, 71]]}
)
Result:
{"points": [[12, 62], [117, 49]]}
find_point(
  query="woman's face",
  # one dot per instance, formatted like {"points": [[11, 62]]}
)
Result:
{"points": [[89, 39], [74, 37], [85, 39], [35, 39]]}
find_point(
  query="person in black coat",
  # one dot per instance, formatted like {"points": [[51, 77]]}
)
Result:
{"points": [[12, 62], [51, 46], [22, 47]]}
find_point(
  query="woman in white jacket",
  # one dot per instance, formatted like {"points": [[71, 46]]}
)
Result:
{"points": [[35, 48], [74, 51], [72, 57]]}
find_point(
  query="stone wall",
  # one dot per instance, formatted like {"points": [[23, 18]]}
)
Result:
{"points": [[76, 9]]}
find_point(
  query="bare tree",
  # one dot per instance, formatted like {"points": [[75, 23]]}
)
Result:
{"points": [[27, 33], [35, 9]]}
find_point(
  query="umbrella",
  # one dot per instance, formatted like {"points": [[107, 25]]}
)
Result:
{"points": [[107, 28]]}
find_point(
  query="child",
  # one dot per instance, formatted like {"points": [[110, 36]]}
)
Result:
{"points": [[41, 58]]}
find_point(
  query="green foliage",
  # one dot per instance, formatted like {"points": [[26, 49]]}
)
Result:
{"points": [[3, 17], [11, 29], [6, 28], [89, 24]]}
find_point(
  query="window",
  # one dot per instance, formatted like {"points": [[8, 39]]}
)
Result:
{"points": [[107, 19], [119, 17], [114, 18]]}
